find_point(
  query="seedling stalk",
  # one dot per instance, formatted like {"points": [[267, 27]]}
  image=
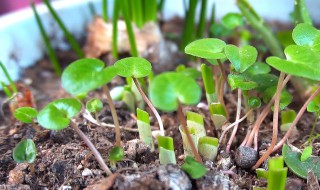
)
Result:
{"points": [[12, 85]]}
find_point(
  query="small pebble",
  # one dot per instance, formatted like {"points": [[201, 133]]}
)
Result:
{"points": [[65, 187], [87, 172], [16, 177], [246, 157]]}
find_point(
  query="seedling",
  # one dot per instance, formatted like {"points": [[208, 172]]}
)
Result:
{"points": [[135, 68], [209, 84], [105, 10], [193, 168], [208, 148], [166, 150], [116, 154], [300, 13], [58, 114], [287, 117], [276, 174], [218, 114], [187, 34], [169, 90], [25, 151], [144, 128], [202, 20], [26, 115], [94, 106]]}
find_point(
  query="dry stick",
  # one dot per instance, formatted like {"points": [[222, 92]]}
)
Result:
{"points": [[275, 122], [263, 115], [235, 129], [233, 124], [295, 121], [114, 115], [185, 129], [153, 109], [93, 149]]}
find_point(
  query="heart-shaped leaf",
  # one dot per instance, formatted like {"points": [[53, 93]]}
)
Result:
{"points": [[94, 105], [292, 159], [240, 81], [56, 115], [306, 35], [25, 151], [207, 48], [116, 154], [85, 75], [25, 114], [168, 89], [241, 58], [232, 20], [133, 67]]}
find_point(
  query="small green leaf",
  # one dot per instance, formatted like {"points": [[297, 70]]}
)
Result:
{"points": [[258, 68], [287, 116], [240, 81], [232, 20], [87, 74], [306, 153], [241, 58], [57, 114], [254, 102], [218, 30], [314, 105], [285, 38], [285, 97], [193, 168], [168, 88], [306, 35], [195, 117], [143, 116], [133, 67], [262, 173], [292, 160], [209, 140], [94, 105], [207, 48], [165, 142], [116, 154], [25, 114], [264, 81], [25, 151]]}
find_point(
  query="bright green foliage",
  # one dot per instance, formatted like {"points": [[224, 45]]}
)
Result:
{"points": [[167, 89], [85, 75], [207, 48], [94, 105], [143, 122], [257, 68], [208, 147], [188, 71], [285, 38], [285, 97], [241, 58], [254, 102], [195, 117], [57, 114], [25, 151], [241, 82], [116, 154], [193, 168], [133, 67], [292, 159], [306, 153], [303, 59], [117, 92], [166, 150], [300, 13], [209, 84], [277, 174], [232, 20], [25, 114], [314, 105]]}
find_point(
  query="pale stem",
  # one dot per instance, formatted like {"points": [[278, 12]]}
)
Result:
{"points": [[153, 109], [93, 149], [275, 122], [114, 115]]}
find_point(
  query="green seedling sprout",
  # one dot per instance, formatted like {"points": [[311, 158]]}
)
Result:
{"points": [[6, 90], [51, 53], [188, 32], [135, 67], [94, 106], [75, 46], [12, 85], [292, 158], [202, 20], [208, 148], [209, 84], [25, 151], [276, 174], [115, 18], [195, 125], [105, 10], [166, 150], [300, 13], [26, 115], [144, 128], [116, 154], [193, 168], [129, 99], [218, 114], [287, 117], [58, 114], [169, 90]]}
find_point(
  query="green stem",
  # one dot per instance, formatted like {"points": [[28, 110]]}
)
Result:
{"points": [[115, 18], [51, 53], [250, 118], [150, 10], [188, 32], [136, 12], [6, 89], [202, 20], [161, 5], [301, 14], [105, 10], [310, 139], [75, 46], [13, 86]]}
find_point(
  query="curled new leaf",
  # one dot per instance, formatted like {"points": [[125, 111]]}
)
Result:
{"points": [[207, 48], [116, 154], [133, 67], [25, 151]]}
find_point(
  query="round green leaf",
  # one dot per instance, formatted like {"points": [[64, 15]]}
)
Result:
{"points": [[232, 20], [193, 168], [306, 35], [85, 75], [25, 114], [56, 115], [285, 97], [133, 67], [25, 151], [314, 105], [94, 105], [116, 154], [190, 72], [241, 58], [258, 68], [207, 48], [306, 153], [168, 88], [239, 81], [254, 102]]}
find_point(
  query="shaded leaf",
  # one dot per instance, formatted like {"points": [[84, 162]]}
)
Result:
{"points": [[25, 151], [285, 97], [94, 105], [193, 168], [232, 20], [116, 154]]}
